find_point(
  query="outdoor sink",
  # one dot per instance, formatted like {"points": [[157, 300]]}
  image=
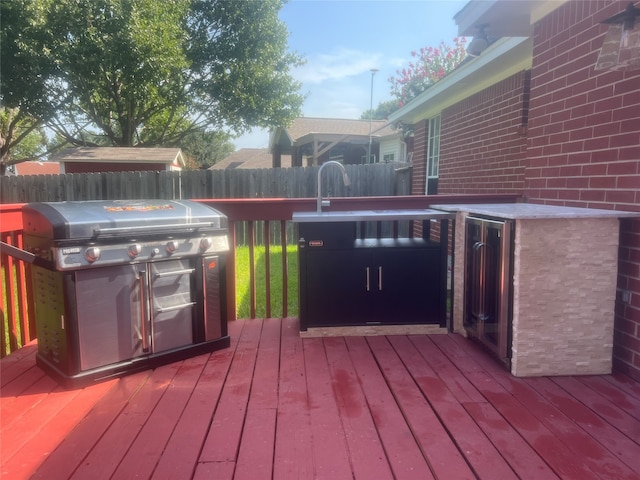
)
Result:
{"points": [[369, 215]]}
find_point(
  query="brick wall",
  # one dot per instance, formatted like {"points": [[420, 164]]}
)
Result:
{"points": [[483, 140], [419, 173], [584, 142]]}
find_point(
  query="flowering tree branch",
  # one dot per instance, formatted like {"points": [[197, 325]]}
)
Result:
{"points": [[430, 65]]}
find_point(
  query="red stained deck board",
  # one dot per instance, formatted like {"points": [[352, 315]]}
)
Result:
{"points": [[330, 450], [255, 457], [483, 457], [594, 455], [223, 438], [215, 471], [448, 373], [506, 441], [437, 446], [108, 452], [33, 420], [404, 454], [264, 389], [558, 456], [514, 449], [180, 455], [64, 460], [24, 463], [23, 394], [293, 456], [368, 458], [624, 383], [625, 401], [600, 405], [143, 455], [14, 365], [608, 436]]}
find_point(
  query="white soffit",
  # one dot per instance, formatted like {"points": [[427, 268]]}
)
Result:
{"points": [[503, 58], [503, 18]]}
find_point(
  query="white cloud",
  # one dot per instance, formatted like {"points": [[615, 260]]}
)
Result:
{"points": [[339, 64]]}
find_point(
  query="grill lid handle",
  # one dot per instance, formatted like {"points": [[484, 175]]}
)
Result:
{"points": [[176, 226]]}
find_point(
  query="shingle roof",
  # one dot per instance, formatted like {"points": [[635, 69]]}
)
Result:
{"points": [[305, 125], [249, 158], [120, 155]]}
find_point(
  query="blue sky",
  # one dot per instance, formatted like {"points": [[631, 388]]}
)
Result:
{"points": [[342, 40]]}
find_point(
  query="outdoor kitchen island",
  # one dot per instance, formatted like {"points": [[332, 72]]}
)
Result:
{"points": [[359, 280], [561, 273]]}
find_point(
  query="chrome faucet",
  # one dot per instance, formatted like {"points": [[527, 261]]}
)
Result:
{"points": [[345, 178]]}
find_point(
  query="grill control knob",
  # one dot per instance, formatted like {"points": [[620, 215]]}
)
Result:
{"points": [[135, 250], [92, 254], [172, 246], [205, 243]]}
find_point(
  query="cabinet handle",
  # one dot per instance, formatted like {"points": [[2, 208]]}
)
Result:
{"points": [[380, 278], [368, 279]]}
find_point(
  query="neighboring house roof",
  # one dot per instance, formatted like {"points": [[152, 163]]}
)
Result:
{"points": [[249, 158], [172, 156], [305, 129], [319, 135], [37, 168], [304, 126]]}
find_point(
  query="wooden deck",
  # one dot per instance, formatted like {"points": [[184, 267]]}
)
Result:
{"points": [[275, 406]]}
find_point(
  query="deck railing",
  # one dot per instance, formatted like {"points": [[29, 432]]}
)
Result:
{"points": [[18, 320]]}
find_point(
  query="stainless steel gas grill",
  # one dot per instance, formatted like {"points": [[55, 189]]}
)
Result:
{"points": [[121, 286]]}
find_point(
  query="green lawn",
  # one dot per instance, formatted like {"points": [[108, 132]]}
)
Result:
{"points": [[243, 297]]}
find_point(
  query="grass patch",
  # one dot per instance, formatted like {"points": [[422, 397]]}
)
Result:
{"points": [[243, 292], [4, 308]]}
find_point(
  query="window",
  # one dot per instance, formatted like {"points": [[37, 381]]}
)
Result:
{"points": [[389, 157], [433, 155]]}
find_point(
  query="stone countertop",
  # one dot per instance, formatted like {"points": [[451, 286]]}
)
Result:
{"points": [[516, 211], [370, 215]]}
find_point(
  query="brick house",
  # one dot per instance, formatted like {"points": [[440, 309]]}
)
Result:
{"points": [[531, 115]]}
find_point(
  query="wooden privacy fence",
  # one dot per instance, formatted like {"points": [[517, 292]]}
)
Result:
{"points": [[299, 182]]}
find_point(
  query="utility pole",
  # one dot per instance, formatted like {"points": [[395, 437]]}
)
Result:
{"points": [[373, 72]]}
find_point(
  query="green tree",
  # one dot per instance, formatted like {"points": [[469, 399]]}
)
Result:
{"points": [[431, 65], [26, 101], [382, 111], [204, 149], [149, 73]]}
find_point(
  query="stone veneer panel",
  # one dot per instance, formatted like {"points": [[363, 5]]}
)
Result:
{"points": [[563, 296]]}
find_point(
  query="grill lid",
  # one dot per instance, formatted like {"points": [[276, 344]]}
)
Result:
{"points": [[115, 218]]}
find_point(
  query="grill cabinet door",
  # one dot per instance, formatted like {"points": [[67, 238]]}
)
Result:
{"points": [[108, 309], [172, 304]]}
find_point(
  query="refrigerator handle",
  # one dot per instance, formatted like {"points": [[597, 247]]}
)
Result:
{"points": [[478, 300]]}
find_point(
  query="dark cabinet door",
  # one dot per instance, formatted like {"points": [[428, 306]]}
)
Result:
{"points": [[408, 286], [335, 288]]}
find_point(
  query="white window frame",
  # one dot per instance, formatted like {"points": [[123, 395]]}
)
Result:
{"points": [[433, 149]]}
